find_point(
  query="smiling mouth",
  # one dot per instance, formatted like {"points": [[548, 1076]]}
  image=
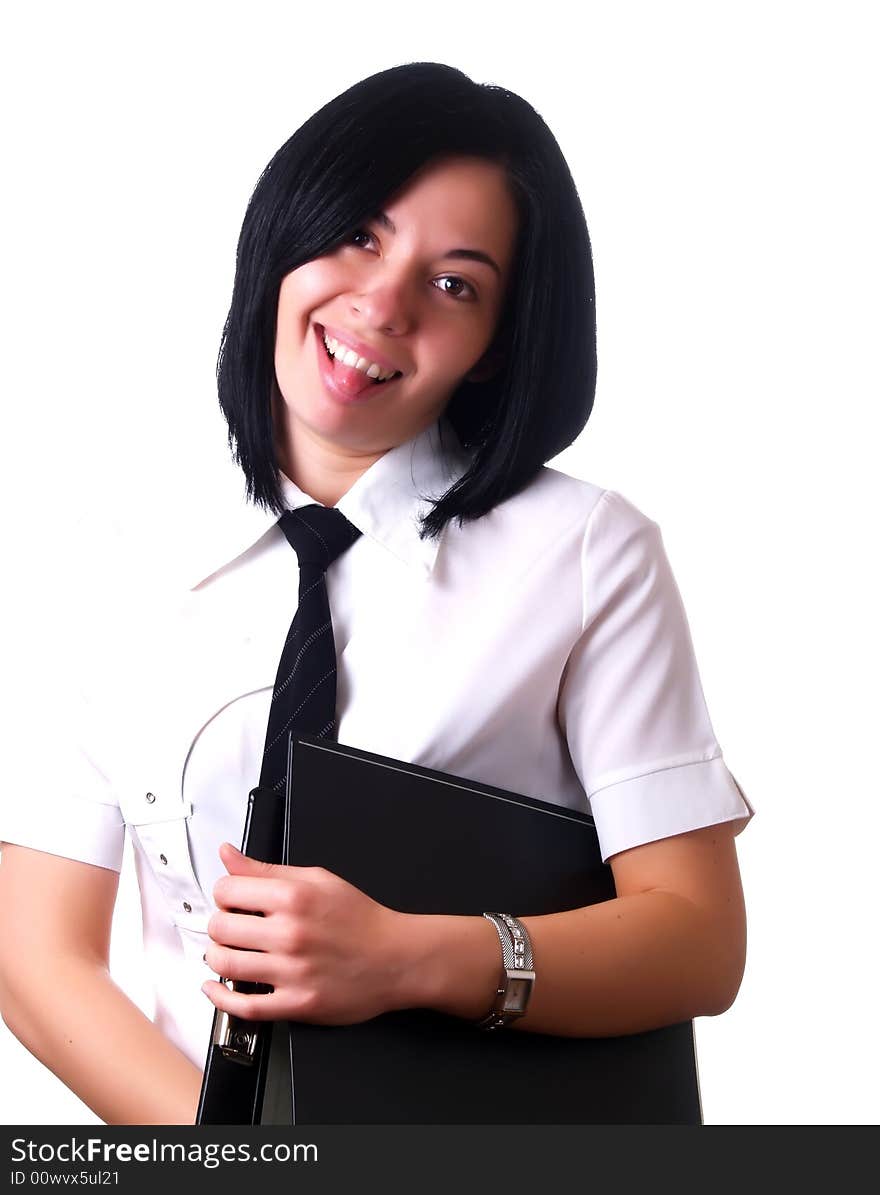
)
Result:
{"points": [[335, 361]]}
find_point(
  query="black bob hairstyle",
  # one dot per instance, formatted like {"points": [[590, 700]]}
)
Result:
{"points": [[335, 173]]}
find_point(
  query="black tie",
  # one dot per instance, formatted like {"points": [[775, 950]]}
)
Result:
{"points": [[304, 697], [303, 701]]}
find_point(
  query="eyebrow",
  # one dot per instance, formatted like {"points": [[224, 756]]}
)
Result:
{"points": [[466, 254]]}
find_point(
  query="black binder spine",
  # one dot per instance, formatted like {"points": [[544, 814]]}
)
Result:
{"points": [[234, 1079]]}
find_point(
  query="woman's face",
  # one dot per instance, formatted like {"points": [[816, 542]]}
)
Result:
{"points": [[418, 291]]}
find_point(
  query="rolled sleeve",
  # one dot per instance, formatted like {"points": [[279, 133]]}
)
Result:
{"points": [[74, 814], [631, 702], [57, 796]]}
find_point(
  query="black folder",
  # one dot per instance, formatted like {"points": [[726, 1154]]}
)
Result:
{"points": [[424, 841], [234, 1078]]}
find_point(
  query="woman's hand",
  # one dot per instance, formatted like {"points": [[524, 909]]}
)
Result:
{"points": [[332, 954]]}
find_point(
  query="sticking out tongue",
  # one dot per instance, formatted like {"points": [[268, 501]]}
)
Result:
{"points": [[350, 380]]}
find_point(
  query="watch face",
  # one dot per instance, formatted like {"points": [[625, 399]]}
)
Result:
{"points": [[517, 995]]}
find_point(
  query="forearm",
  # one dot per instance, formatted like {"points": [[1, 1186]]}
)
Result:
{"points": [[81, 1026], [623, 966]]}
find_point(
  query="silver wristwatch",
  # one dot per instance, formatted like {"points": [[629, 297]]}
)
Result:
{"points": [[517, 972]]}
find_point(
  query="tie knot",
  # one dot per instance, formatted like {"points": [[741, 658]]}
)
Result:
{"points": [[318, 534]]}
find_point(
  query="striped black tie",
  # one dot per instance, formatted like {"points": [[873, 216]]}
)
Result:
{"points": [[304, 697]]}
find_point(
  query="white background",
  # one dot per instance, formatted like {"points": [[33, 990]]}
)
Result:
{"points": [[726, 159]]}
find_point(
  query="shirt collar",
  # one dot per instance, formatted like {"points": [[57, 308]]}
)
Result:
{"points": [[386, 503]]}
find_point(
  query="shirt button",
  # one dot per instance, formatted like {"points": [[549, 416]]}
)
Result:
{"points": [[150, 798], [162, 857], [187, 906]]}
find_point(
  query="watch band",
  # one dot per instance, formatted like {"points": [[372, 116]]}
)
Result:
{"points": [[517, 972]]}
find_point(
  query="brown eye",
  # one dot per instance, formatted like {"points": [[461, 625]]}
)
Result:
{"points": [[465, 290], [359, 232]]}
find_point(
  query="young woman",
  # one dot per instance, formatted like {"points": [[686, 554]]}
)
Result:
{"points": [[411, 337]]}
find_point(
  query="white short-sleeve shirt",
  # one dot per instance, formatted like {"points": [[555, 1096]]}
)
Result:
{"points": [[543, 648]]}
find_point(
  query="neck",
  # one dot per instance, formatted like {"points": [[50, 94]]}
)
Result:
{"points": [[323, 470]]}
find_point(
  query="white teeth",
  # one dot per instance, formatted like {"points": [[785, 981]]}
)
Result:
{"points": [[349, 357]]}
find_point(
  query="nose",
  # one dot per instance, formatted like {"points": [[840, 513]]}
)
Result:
{"points": [[386, 304]]}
